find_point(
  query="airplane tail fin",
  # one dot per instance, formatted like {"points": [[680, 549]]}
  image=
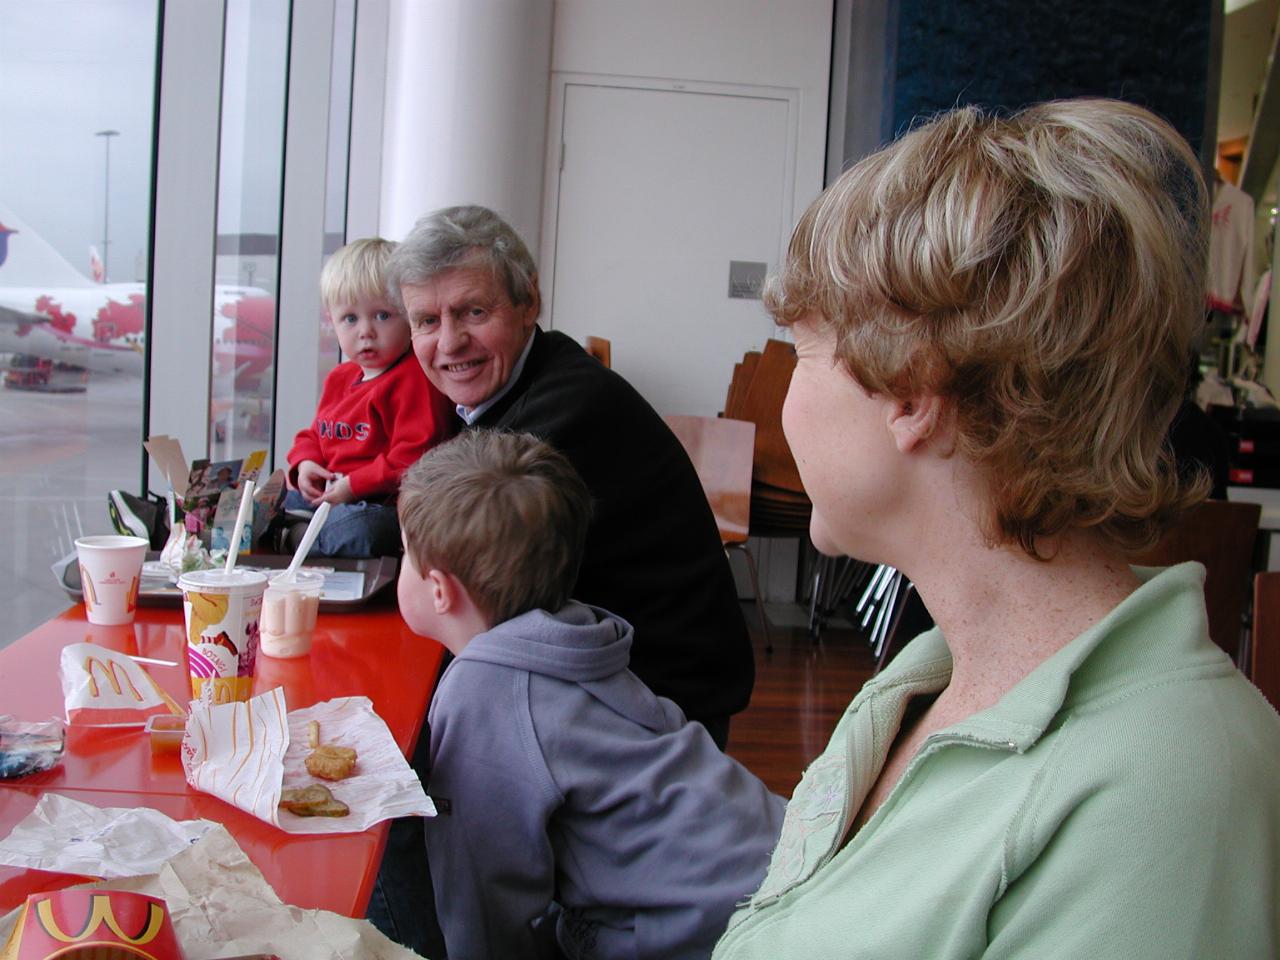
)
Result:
{"points": [[96, 269], [28, 260]]}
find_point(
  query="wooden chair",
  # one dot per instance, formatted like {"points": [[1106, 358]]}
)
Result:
{"points": [[1219, 534], [601, 349], [1264, 660], [721, 451], [742, 374], [762, 405], [779, 505]]}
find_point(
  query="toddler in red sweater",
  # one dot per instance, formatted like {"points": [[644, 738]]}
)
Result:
{"points": [[378, 413]]}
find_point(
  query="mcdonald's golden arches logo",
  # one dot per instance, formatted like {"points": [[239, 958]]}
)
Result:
{"points": [[109, 670], [101, 913], [72, 922]]}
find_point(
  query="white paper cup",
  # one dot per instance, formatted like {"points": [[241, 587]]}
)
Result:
{"points": [[222, 612], [289, 614], [110, 575]]}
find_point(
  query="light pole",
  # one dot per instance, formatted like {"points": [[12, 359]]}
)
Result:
{"points": [[106, 136]]}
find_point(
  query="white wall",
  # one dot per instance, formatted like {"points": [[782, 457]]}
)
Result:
{"points": [[753, 43], [750, 42], [468, 81], [466, 109]]}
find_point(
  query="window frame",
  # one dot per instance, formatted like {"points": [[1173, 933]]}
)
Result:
{"points": [[184, 209]]}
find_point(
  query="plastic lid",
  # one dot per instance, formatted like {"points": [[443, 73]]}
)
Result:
{"points": [[304, 580], [111, 541], [221, 580]]}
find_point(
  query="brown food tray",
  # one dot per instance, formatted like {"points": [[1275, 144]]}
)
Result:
{"points": [[378, 572]]}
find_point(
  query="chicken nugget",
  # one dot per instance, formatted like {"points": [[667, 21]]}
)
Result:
{"points": [[330, 762]]}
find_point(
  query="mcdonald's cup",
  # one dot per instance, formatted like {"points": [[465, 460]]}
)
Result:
{"points": [[110, 575], [103, 924], [222, 613]]}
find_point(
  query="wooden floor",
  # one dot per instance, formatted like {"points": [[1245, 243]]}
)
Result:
{"points": [[801, 690]]}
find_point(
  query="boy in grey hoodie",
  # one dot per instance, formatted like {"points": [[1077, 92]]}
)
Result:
{"points": [[578, 809]]}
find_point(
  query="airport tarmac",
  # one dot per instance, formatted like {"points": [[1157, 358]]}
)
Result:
{"points": [[60, 453]]}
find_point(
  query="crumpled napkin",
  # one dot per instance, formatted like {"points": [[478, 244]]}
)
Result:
{"points": [[66, 836]]}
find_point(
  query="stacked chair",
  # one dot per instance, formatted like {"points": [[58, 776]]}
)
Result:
{"points": [[779, 505], [1264, 660]]}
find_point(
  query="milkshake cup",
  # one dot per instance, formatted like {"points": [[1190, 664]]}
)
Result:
{"points": [[110, 575], [222, 617], [289, 611]]}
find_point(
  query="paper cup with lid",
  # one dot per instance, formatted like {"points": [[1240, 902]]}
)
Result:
{"points": [[289, 611], [110, 576], [223, 612]]}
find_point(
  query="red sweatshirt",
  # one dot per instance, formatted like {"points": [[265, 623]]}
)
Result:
{"points": [[373, 430]]}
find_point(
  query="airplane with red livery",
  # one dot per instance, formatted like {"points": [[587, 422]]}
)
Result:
{"points": [[53, 314]]}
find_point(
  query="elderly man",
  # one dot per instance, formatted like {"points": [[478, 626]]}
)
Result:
{"points": [[470, 291], [469, 287]]}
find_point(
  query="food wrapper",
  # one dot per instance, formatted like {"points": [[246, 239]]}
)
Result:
{"points": [[106, 924], [106, 688], [218, 901], [62, 835], [246, 753]]}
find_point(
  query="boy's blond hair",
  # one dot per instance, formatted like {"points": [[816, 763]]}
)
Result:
{"points": [[505, 513], [356, 272], [1042, 272]]}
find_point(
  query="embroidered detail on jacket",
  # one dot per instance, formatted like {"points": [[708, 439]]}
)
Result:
{"points": [[813, 816]]}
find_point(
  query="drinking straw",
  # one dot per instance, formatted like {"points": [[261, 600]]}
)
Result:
{"points": [[308, 538], [246, 505]]}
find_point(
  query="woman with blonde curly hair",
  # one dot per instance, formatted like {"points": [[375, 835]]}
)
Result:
{"points": [[992, 318]]}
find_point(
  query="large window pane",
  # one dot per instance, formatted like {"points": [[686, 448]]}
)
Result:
{"points": [[335, 191], [77, 82], [256, 54]]}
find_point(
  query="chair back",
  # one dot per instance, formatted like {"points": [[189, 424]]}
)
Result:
{"points": [[1264, 665], [600, 348], [742, 374], [762, 405], [721, 451], [1219, 534]]}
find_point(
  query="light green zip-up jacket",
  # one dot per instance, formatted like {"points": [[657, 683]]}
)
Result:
{"points": [[1121, 801]]}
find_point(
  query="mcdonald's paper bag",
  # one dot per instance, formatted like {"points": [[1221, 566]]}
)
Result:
{"points": [[93, 924], [105, 688], [246, 753]]}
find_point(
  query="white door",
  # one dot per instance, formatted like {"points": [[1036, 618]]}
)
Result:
{"points": [[658, 192]]}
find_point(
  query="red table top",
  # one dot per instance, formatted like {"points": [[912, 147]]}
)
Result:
{"points": [[368, 652]]}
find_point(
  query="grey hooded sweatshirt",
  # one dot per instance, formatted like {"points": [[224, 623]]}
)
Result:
{"points": [[577, 798]]}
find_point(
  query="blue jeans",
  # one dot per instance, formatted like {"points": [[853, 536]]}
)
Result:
{"points": [[364, 529]]}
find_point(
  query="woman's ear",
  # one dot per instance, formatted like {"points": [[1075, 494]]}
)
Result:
{"points": [[912, 422]]}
